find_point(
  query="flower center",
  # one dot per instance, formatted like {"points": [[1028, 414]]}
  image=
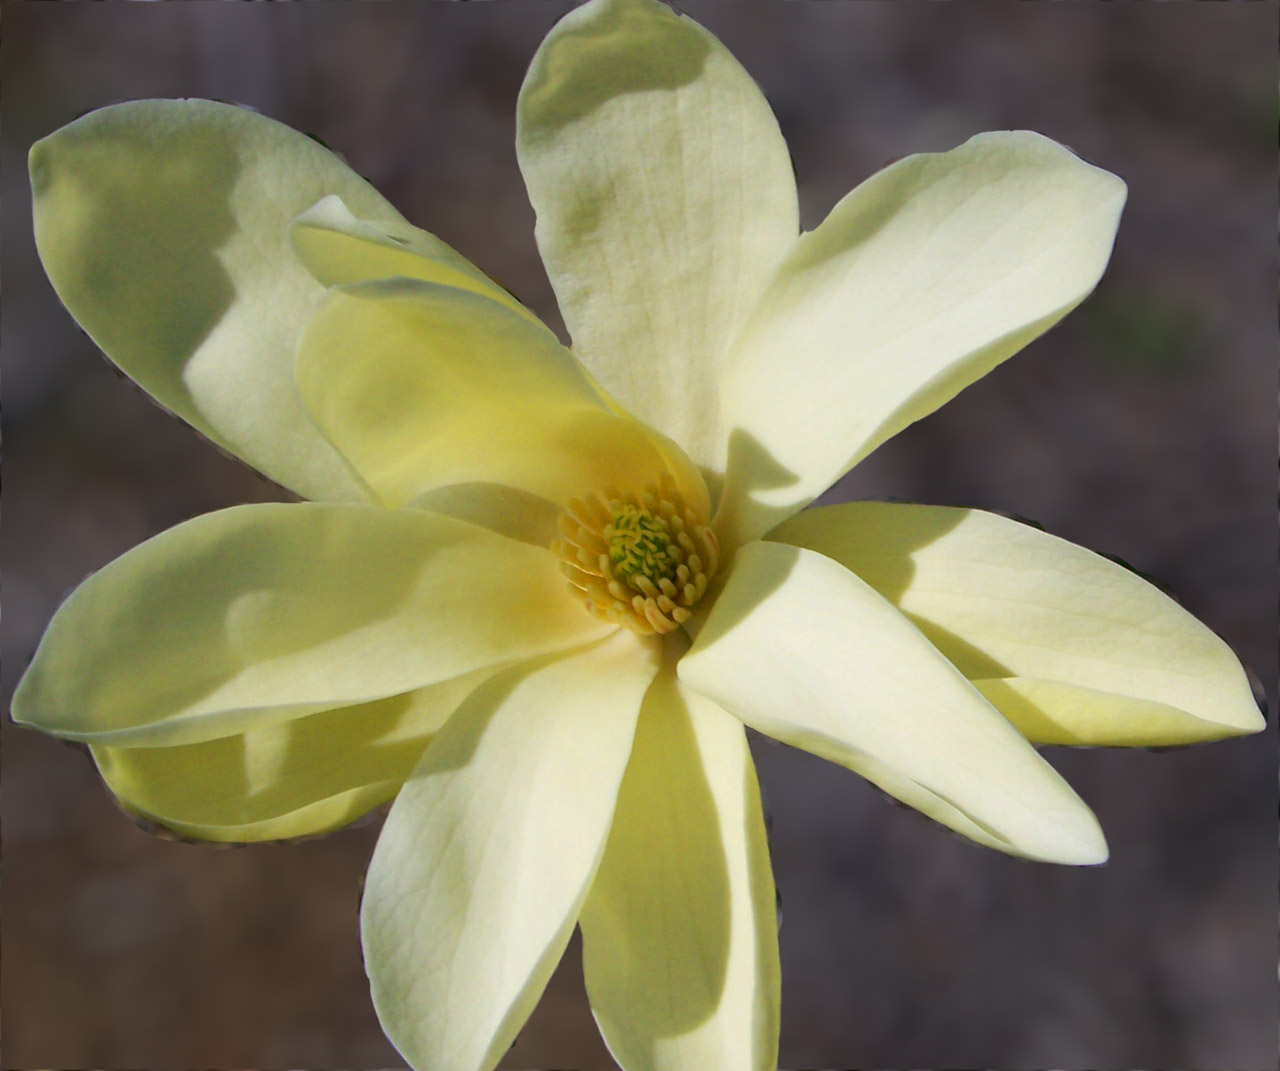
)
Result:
{"points": [[641, 560]]}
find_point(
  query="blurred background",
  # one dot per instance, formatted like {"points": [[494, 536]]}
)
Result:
{"points": [[1143, 427]]}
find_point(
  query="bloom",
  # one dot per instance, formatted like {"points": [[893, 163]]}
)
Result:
{"points": [[277, 670]]}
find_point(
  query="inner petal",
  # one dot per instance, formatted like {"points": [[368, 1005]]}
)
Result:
{"points": [[422, 386]]}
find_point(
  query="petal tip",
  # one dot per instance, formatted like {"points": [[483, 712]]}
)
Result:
{"points": [[1079, 843], [39, 165]]}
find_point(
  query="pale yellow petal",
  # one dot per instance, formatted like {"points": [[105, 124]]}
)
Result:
{"points": [[337, 248], [515, 514], [665, 199], [1072, 648], [919, 282], [490, 848], [422, 386], [262, 613], [164, 227], [679, 931], [289, 778], [800, 648]]}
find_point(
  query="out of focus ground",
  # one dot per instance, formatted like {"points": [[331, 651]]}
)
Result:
{"points": [[1143, 427]]}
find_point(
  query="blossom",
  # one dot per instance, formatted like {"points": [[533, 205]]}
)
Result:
{"points": [[537, 593]]}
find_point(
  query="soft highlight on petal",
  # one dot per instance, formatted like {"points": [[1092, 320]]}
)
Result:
{"points": [[1072, 648], [801, 649], [422, 386], [489, 850], [918, 283], [290, 778], [679, 931], [665, 199], [260, 613], [164, 227]]}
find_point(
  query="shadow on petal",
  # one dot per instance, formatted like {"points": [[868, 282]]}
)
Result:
{"points": [[656, 925], [140, 271], [640, 52]]}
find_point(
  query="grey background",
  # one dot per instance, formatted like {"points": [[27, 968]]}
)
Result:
{"points": [[1143, 427]]}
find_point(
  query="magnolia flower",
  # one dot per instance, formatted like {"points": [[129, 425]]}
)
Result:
{"points": [[538, 593]]}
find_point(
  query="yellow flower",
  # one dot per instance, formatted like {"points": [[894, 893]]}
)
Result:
{"points": [[538, 593]]}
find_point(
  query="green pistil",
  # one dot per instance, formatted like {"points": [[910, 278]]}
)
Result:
{"points": [[639, 544]]}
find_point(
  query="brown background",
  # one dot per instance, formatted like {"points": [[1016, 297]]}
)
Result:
{"points": [[1143, 427]]}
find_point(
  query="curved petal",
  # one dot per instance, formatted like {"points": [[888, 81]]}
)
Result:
{"points": [[164, 227], [261, 613], [1072, 648], [514, 514], [921, 280], [801, 649], [291, 778], [665, 199], [487, 854], [679, 931], [338, 248], [422, 386]]}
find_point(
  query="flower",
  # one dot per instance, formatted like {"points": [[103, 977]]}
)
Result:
{"points": [[276, 670]]}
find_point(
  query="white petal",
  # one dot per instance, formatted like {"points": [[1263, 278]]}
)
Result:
{"points": [[490, 848], [338, 248], [665, 199], [164, 227], [801, 649], [268, 612], [919, 282], [286, 778], [1071, 647], [422, 386], [679, 932]]}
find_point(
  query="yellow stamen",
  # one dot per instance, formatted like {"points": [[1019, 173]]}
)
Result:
{"points": [[640, 560]]}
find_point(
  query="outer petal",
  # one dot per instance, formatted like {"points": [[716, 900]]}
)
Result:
{"points": [[423, 386], [490, 848], [665, 199], [922, 280], [680, 943], [261, 613], [338, 248], [800, 648], [1072, 648], [286, 779], [164, 227]]}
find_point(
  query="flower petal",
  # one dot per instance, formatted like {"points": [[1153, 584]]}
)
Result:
{"points": [[490, 848], [665, 199], [1072, 648], [919, 282], [164, 227], [679, 931], [801, 649], [286, 779], [338, 248], [261, 613], [422, 386]]}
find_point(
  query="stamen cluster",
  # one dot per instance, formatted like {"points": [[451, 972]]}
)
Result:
{"points": [[641, 560]]}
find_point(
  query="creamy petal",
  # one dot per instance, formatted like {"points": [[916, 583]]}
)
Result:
{"points": [[260, 613], [423, 386], [919, 282], [489, 850], [164, 227], [679, 931], [801, 649], [1072, 648], [289, 778], [338, 248], [665, 199]]}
